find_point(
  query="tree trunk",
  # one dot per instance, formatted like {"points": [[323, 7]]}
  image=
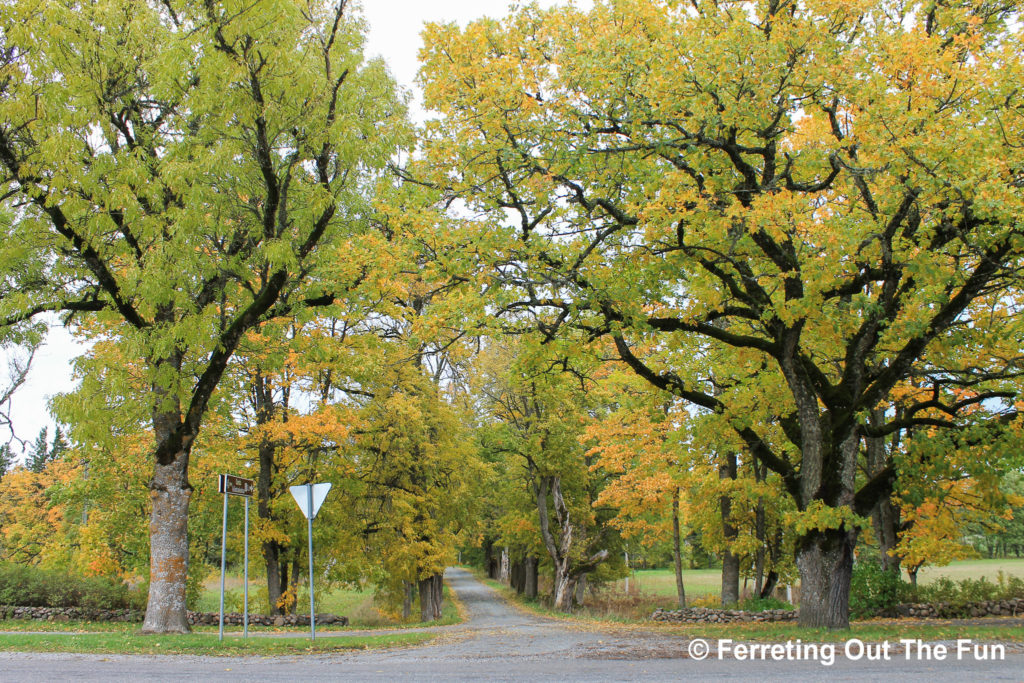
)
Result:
{"points": [[530, 590], [581, 590], [406, 600], [825, 561], [563, 589], [504, 576], [263, 404], [677, 551], [885, 517], [426, 589], [438, 601], [169, 493], [730, 561], [275, 580]]}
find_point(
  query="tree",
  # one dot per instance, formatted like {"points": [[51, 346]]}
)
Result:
{"points": [[43, 451], [822, 199], [185, 171], [537, 412]]}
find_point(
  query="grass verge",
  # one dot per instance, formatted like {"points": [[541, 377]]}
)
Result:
{"points": [[198, 643]]}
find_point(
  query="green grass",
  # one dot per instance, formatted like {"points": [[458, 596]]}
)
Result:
{"points": [[873, 630], [198, 643], [972, 569], [662, 582], [700, 582], [357, 605]]}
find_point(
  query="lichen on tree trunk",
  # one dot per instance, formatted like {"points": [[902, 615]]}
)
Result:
{"points": [[166, 610]]}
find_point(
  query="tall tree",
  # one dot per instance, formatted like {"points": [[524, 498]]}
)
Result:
{"points": [[185, 171], [826, 196]]}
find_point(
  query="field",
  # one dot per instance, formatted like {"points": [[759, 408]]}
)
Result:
{"points": [[708, 582], [357, 605]]}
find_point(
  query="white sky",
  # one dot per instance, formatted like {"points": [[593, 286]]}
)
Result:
{"points": [[393, 34]]}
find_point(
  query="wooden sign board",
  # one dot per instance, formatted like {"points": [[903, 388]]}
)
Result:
{"points": [[235, 486]]}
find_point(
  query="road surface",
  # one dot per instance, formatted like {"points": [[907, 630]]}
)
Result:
{"points": [[499, 643]]}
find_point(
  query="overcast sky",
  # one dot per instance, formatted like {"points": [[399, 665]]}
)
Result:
{"points": [[394, 28]]}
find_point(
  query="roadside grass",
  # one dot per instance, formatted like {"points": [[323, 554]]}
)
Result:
{"points": [[872, 630], [198, 643]]}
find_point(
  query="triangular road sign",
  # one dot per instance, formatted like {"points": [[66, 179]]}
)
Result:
{"points": [[301, 496]]}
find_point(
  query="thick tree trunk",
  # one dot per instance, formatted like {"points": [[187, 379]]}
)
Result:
{"points": [[677, 551], [426, 590], [825, 561], [431, 591], [169, 493], [730, 561]]}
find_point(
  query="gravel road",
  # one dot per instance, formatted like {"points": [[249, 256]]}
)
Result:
{"points": [[499, 643]]}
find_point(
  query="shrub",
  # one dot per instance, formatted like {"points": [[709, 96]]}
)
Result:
{"points": [[874, 590], [34, 587]]}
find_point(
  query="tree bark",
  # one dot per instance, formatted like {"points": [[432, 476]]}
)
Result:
{"points": [[677, 551], [406, 600], [170, 492], [885, 517], [426, 590], [825, 561], [438, 601], [581, 590], [530, 590], [730, 561]]}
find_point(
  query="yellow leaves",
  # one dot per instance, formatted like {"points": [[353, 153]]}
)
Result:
{"points": [[819, 516]]}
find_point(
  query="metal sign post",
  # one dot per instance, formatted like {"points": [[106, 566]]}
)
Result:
{"points": [[309, 498], [231, 485]]}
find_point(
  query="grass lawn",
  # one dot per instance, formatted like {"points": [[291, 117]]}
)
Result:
{"points": [[972, 569], [869, 631], [357, 605], [662, 582], [198, 643], [698, 582]]}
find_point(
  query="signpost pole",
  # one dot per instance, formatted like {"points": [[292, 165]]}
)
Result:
{"points": [[245, 599], [223, 543], [309, 531]]}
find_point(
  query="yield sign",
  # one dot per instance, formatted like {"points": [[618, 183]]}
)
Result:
{"points": [[301, 496]]}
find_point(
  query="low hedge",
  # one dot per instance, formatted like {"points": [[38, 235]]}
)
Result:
{"points": [[35, 587]]}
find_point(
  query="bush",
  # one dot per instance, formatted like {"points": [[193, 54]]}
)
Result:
{"points": [[26, 586], [966, 591], [874, 590]]}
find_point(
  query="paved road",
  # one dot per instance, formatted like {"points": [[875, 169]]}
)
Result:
{"points": [[499, 642]]}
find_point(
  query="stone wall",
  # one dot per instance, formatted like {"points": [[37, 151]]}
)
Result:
{"points": [[136, 616], [944, 610], [707, 615], [941, 610]]}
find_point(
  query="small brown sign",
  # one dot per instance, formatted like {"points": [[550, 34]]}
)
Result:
{"points": [[235, 486]]}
